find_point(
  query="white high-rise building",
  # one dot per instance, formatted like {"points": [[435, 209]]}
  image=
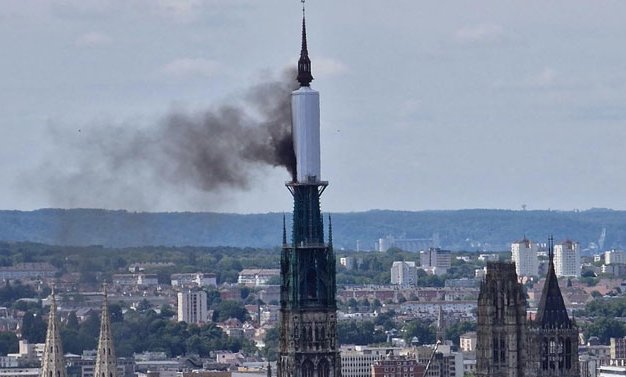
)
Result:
{"points": [[356, 361], [403, 273], [567, 259], [524, 254], [614, 257], [192, 307], [435, 261]]}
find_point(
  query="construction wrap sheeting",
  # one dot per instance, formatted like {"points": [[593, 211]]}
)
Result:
{"points": [[305, 110]]}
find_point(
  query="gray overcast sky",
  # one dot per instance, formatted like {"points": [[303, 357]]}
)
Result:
{"points": [[425, 105]]}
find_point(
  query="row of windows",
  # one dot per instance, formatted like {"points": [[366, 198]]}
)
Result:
{"points": [[405, 369]]}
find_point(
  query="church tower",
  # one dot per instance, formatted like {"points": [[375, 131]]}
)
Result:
{"points": [[552, 335], [53, 362], [106, 363], [501, 335], [308, 322]]}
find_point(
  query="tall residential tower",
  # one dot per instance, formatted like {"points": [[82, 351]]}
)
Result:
{"points": [[567, 259], [308, 337], [524, 254]]}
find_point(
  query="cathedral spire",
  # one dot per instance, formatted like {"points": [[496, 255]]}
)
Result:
{"points": [[551, 311], [53, 363], [106, 363], [304, 63]]}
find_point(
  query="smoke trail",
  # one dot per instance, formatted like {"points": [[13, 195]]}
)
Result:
{"points": [[220, 148]]}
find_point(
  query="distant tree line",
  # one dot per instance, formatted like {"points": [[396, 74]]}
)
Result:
{"points": [[604, 318], [96, 264]]}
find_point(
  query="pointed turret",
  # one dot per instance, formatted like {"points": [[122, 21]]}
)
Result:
{"points": [[53, 362], [106, 363], [551, 312], [304, 63]]}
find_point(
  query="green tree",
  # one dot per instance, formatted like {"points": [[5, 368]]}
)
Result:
{"points": [[230, 309], [605, 328], [144, 305], [72, 321], [8, 343], [454, 331], [362, 333], [386, 320], [115, 312], [420, 329], [33, 328], [195, 344], [271, 339], [376, 304], [244, 292], [167, 312]]}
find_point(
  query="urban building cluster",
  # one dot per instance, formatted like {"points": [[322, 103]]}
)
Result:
{"points": [[518, 330], [459, 300], [525, 254], [434, 261]]}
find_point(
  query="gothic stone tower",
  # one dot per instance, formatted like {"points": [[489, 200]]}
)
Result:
{"points": [[552, 335], [53, 362], [308, 339], [106, 363], [500, 348]]}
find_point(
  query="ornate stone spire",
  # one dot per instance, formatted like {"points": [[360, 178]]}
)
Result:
{"points": [[53, 363], [551, 311], [106, 363], [552, 336], [304, 63]]}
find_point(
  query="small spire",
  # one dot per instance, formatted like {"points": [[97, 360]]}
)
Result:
{"points": [[106, 363], [551, 249], [53, 362], [304, 63], [551, 310]]}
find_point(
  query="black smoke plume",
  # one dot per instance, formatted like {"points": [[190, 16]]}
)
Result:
{"points": [[224, 147], [220, 147]]}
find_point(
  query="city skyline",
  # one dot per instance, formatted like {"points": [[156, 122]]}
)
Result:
{"points": [[480, 106]]}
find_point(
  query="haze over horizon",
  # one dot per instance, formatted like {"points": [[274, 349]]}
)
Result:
{"points": [[424, 106]]}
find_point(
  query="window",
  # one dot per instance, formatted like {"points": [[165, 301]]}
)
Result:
{"points": [[323, 368], [307, 369]]}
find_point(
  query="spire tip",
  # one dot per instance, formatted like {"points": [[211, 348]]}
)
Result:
{"points": [[304, 63]]}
